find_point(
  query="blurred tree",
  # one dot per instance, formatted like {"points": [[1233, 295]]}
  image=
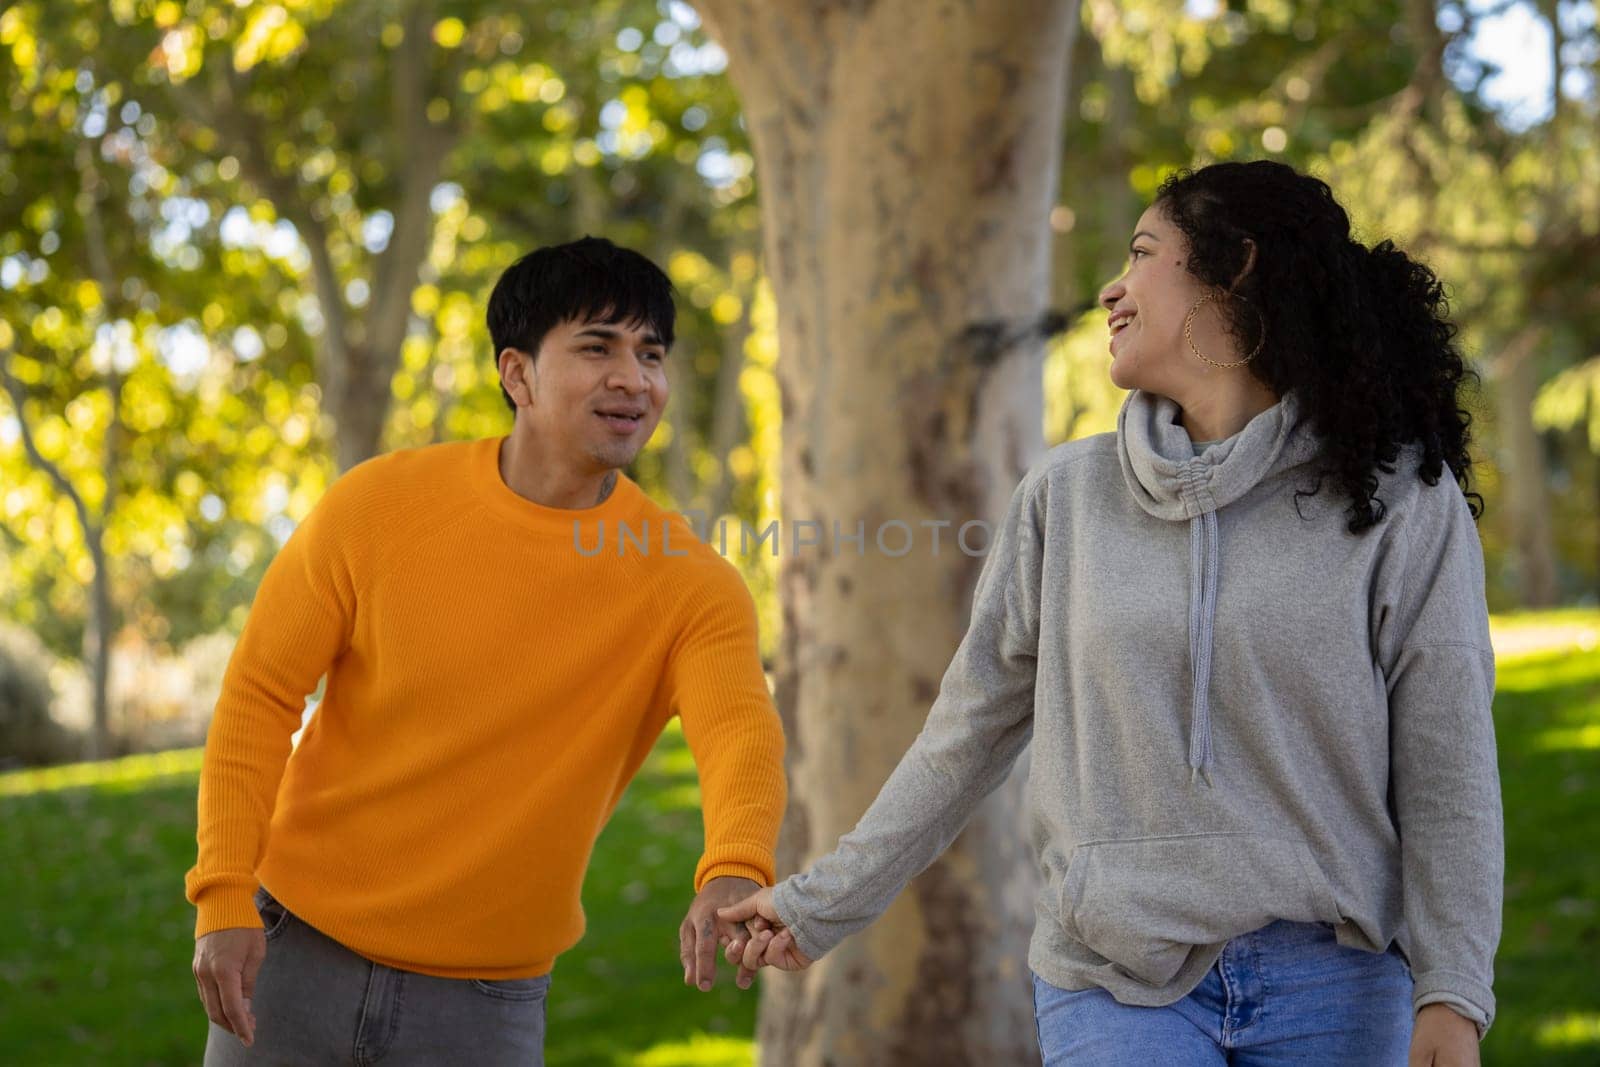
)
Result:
{"points": [[1384, 99], [223, 294], [100, 304], [1508, 217], [126, 424], [133, 450], [543, 124], [909, 157]]}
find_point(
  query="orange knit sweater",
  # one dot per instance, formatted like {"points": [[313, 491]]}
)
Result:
{"points": [[493, 684]]}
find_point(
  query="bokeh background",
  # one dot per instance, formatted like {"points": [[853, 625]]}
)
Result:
{"points": [[246, 245]]}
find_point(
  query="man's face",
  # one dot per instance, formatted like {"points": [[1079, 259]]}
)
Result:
{"points": [[596, 391]]}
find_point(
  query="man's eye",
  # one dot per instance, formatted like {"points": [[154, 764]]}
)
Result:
{"points": [[594, 348], [654, 356]]}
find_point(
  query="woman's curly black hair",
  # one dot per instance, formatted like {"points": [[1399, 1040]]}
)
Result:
{"points": [[1360, 335]]}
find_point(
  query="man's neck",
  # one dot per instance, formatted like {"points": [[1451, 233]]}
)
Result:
{"points": [[536, 477]]}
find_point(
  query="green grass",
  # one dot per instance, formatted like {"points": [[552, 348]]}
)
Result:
{"points": [[96, 942], [1547, 712], [96, 946]]}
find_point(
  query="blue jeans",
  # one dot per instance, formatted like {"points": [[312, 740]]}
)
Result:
{"points": [[1285, 994], [317, 1004]]}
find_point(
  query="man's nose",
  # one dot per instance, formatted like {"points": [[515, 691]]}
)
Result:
{"points": [[629, 377]]}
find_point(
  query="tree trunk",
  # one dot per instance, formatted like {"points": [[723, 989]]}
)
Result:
{"points": [[1516, 380], [97, 645], [908, 156], [677, 458], [728, 422], [361, 403]]}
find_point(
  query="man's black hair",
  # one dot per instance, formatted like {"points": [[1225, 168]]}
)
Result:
{"points": [[588, 280]]}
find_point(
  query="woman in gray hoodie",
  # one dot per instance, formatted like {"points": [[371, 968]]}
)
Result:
{"points": [[1247, 639]]}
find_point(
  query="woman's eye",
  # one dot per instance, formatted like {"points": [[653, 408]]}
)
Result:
{"points": [[1136, 253]]}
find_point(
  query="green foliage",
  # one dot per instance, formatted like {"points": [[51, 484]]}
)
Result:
{"points": [[250, 166], [233, 163], [1382, 99]]}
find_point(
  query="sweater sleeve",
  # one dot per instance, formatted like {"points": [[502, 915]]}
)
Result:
{"points": [[302, 618], [1439, 667], [719, 693], [979, 724]]}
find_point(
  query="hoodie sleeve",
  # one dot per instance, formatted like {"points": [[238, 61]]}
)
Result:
{"points": [[1433, 643], [980, 722]]}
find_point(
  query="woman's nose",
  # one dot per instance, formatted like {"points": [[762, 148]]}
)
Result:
{"points": [[1111, 294]]}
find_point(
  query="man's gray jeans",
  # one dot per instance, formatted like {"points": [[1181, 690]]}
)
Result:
{"points": [[316, 1003]]}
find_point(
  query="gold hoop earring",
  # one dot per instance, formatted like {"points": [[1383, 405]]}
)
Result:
{"points": [[1188, 335]]}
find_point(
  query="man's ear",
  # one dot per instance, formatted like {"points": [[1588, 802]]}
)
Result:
{"points": [[516, 367]]}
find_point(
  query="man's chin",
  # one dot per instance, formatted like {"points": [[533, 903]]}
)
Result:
{"points": [[615, 457]]}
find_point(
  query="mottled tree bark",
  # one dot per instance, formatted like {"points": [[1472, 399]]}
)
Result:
{"points": [[907, 152]]}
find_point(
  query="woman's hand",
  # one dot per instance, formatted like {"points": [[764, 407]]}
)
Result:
{"points": [[1441, 1038], [770, 943]]}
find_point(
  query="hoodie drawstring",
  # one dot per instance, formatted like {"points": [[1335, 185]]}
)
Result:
{"points": [[1202, 619]]}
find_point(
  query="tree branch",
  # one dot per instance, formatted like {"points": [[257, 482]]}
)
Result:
{"points": [[245, 137], [18, 396], [92, 187], [421, 146]]}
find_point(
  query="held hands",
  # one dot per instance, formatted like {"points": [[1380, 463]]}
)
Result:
{"points": [[225, 967], [763, 940], [703, 931], [1442, 1038]]}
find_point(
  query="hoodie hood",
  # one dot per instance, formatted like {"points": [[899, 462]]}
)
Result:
{"points": [[1170, 482]]}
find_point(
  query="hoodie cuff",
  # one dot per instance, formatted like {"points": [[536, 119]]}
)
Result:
{"points": [[1463, 995], [791, 918]]}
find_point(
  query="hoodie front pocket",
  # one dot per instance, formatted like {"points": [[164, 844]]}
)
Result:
{"points": [[1145, 903]]}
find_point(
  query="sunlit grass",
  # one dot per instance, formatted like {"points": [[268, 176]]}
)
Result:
{"points": [[1574, 737], [1544, 633], [130, 771], [1570, 1031], [698, 1051]]}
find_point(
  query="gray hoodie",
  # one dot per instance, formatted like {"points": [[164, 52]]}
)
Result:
{"points": [[1239, 712]]}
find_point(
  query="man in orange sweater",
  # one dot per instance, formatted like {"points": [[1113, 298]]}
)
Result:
{"points": [[400, 885]]}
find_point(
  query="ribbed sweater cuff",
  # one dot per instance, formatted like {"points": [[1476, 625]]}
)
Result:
{"points": [[225, 907], [728, 869]]}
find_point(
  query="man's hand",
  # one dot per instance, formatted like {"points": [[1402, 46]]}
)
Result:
{"points": [[225, 967], [701, 932], [1442, 1038], [768, 943]]}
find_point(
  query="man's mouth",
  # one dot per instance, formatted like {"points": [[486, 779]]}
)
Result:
{"points": [[622, 420]]}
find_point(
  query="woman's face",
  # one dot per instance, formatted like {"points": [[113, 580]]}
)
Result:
{"points": [[1148, 305]]}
